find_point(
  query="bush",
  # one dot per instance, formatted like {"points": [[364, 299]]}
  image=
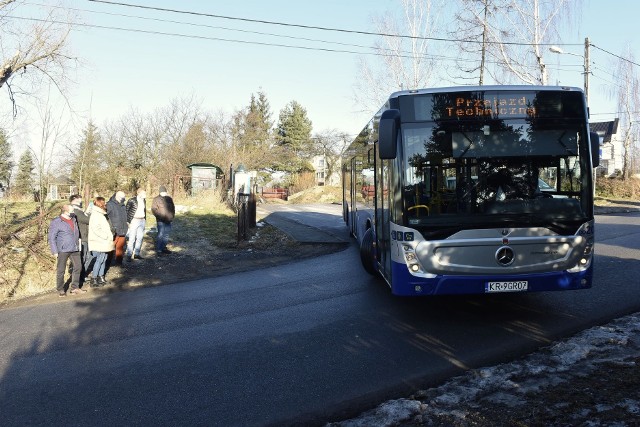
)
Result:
{"points": [[618, 188], [301, 181]]}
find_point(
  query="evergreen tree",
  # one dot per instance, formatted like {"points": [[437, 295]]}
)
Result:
{"points": [[259, 118], [251, 133], [294, 128], [24, 179], [6, 165], [294, 136], [84, 166]]}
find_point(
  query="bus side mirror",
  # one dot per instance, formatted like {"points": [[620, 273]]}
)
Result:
{"points": [[595, 149], [388, 134]]}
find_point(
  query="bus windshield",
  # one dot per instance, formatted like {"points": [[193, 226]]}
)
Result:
{"points": [[492, 172]]}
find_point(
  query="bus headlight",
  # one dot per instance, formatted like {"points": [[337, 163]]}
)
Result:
{"points": [[585, 260], [411, 259]]}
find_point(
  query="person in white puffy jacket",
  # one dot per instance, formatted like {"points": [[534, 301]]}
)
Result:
{"points": [[100, 240]]}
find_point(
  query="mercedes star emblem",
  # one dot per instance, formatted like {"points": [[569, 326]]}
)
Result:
{"points": [[505, 256]]}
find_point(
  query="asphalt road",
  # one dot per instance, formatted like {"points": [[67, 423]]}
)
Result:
{"points": [[305, 343]]}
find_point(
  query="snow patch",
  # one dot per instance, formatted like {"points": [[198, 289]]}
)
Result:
{"points": [[387, 414], [509, 383]]}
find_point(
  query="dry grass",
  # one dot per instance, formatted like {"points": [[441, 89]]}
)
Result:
{"points": [[205, 224], [27, 266], [322, 194]]}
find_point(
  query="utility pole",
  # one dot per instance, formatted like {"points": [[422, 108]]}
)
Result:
{"points": [[585, 57], [586, 69]]}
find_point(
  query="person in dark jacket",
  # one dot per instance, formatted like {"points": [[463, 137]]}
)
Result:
{"points": [[83, 226], [164, 210], [117, 212], [64, 242], [136, 217]]}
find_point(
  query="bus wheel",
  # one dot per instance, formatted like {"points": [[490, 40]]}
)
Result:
{"points": [[367, 253]]}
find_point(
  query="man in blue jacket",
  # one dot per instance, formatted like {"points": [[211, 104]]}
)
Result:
{"points": [[64, 241]]}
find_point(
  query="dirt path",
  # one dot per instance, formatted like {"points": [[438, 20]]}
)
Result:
{"points": [[198, 259]]}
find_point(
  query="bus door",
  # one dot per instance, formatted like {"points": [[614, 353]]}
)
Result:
{"points": [[383, 218], [352, 198]]}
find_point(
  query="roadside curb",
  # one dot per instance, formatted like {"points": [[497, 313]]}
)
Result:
{"points": [[604, 210]]}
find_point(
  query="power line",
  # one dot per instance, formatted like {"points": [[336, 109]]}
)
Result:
{"points": [[343, 30], [192, 24], [306, 27], [390, 53], [312, 27], [617, 56], [381, 51], [192, 36]]}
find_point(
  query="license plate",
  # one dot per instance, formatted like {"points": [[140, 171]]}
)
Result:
{"points": [[518, 286]]}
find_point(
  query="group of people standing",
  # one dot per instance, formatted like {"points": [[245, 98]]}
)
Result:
{"points": [[90, 238]]}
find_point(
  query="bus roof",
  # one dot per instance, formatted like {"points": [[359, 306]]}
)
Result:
{"points": [[484, 88]]}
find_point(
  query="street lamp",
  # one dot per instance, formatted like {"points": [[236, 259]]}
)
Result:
{"points": [[585, 57]]}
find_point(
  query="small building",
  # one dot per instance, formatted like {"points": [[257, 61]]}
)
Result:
{"points": [[611, 148], [204, 176], [322, 177], [60, 190]]}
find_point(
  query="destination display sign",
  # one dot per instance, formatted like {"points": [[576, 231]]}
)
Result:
{"points": [[471, 107], [493, 105]]}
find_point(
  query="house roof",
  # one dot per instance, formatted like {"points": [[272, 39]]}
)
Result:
{"points": [[219, 171], [605, 130]]}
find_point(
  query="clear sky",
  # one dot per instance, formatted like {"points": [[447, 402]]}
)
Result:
{"points": [[124, 69]]}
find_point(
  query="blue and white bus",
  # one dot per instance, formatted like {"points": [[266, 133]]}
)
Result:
{"points": [[471, 190]]}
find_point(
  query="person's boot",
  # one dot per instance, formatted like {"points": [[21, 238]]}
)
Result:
{"points": [[102, 281], [94, 282]]}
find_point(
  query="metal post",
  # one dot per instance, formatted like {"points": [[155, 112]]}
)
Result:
{"points": [[586, 97], [243, 198], [586, 69]]}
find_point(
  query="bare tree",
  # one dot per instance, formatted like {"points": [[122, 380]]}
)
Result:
{"points": [[628, 99], [406, 62], [471, 30], [113, 157], [178, 120], [32, 50], [52, 130], [331, 144], [220, 130], [518, 36], [136, 136]]}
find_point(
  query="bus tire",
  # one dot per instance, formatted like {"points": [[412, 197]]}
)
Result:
{"points": [[367, 253]]}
